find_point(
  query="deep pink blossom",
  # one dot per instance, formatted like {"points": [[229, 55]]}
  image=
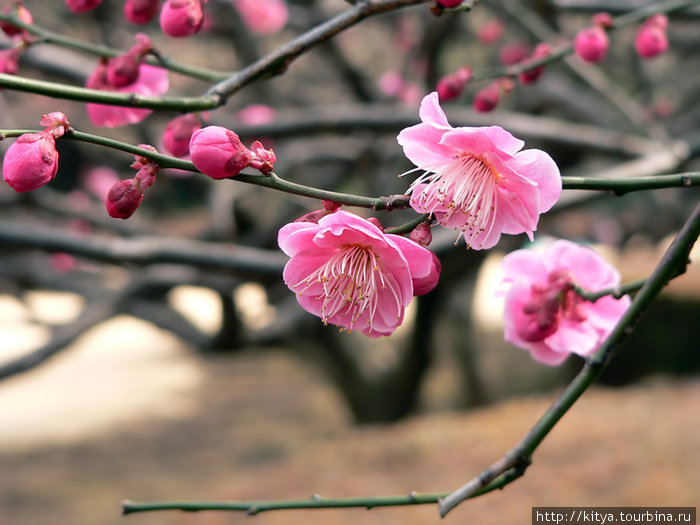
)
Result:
{"points": [[182, 18], [544, 314], [178, 133], [451, 86], [651, 38], [265, 17], [477, 180], [591, 44], [348, 272], [151, 81], [218, 152], [262, 159], [82, 6], [513, 53], [140, 11], [20, 12], [123, 70]]}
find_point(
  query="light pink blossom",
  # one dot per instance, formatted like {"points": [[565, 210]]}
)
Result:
{"points": [[544, 314], [477, 180], [265, 17], [348, 272], [151, 81]]}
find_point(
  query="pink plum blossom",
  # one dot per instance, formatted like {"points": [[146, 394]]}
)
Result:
{"points": [[123, 70], [140, 11], [151, 81], [99, 181], [182, 18], [256, 114], [544, 314], [82, 6], [542, 50], [477, 180], [491, 31], [347, 271], [265, 17], [218, 152]]}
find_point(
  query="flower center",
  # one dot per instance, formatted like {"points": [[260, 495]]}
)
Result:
{"points": [[549, 304], [351, 279], [465, 188]]}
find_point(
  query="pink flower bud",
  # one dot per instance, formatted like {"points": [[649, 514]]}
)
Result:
{"points": [[124, 198], [591, 44], [331, 206], [651, 39], [22, 13], [82, 6], [181, 18], [31, 162], [487, 98], [178, 132], [490, 32], [312, 216], [542, 50], [262, 159], [140, 11], [148, 168], [422, 234], [450, 86], [218, 152], [122, 70], [602, 20]]}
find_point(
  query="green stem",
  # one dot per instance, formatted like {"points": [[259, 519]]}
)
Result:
{"points": [[48, 37], [113, 98], [672, 264], [615, 293], [315, 502], [620, 186]]}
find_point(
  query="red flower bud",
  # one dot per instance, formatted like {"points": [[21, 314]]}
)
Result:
{"points": [[218, 152], [124, 198], [487, 99], [140, 11], [450, 86], [82, 6]]}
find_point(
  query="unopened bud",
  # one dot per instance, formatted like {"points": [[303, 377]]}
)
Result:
{"points": [[124, 198]]}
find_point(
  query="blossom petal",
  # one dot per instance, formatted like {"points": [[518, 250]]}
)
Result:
{"points": [[540, 168], [431, 113], [423, 265], [295, 237]]}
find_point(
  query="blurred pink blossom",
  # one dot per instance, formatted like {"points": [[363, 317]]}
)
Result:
{"points": [[20, 12], [265, 17], [99, 180], [178, 133], [82, 6], [651, 39], [140, 11], [491, 31], [450, 86], [256, 114], [476, 179], [151, 81], [347, 271], [591, 44], [544, 314]]}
